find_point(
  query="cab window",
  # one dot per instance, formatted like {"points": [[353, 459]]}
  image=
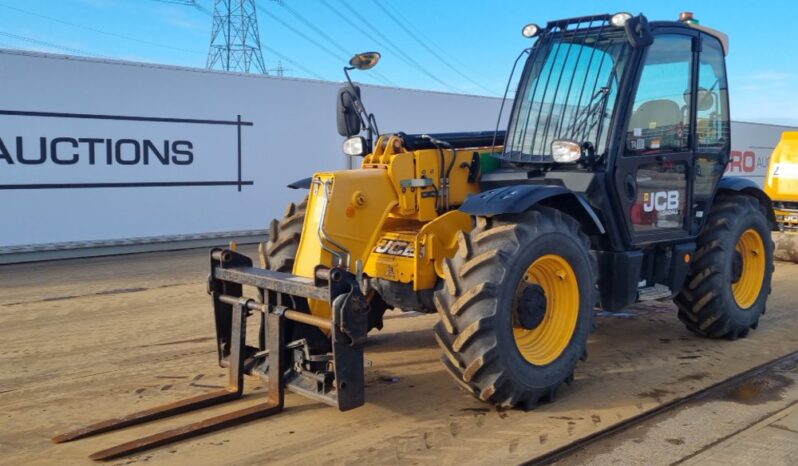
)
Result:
{"points": [[660, 120], [712, 125], [712, 102]]}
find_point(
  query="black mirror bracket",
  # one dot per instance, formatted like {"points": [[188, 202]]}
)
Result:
{"points": [[638, 32], [352, 114]]}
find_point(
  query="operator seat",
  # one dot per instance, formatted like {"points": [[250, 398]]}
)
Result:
{"points": [[661, 113], [655, 119]]}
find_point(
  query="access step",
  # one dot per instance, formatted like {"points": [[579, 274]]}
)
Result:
{"points": [[649, 293]]}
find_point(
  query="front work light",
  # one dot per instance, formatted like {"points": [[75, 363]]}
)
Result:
{"points": [[530, 30], [619, 19], [355, 146], [564, 151]]}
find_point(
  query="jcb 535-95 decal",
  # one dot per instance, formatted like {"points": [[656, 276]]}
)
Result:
{"points": [[395, 247]]}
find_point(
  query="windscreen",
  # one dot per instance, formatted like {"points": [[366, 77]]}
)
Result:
{"points": [[568, 91]]}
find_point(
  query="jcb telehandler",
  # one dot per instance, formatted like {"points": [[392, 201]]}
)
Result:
{"points": [[605, 189]]}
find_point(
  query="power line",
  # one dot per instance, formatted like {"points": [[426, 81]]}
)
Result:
{"points": [[390, 45], [280, 70], [187, 3], [318, 30], [271, 50], [306, 70], [235, 37], [330, 40], [49, 44], [426, 47], [192, 3], [99, 31], [428, 40], [298, 32]]}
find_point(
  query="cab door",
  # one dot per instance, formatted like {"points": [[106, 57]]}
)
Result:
{"points": [[712, 128], [653, 167]]}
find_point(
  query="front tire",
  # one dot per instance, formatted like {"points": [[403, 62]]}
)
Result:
{"points": [[725, 294], [516, 306]]}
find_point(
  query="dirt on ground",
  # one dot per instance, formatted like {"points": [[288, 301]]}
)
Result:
{"points": [[786, 246], [84, 340]]}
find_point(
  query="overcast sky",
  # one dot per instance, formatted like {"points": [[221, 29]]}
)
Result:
{"points": [[457, 46]]}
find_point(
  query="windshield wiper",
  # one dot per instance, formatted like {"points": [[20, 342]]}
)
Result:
{"points": [[583, 124]]}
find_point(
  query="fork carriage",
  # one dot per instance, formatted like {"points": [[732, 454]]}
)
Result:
{"points": [[335, 378]]}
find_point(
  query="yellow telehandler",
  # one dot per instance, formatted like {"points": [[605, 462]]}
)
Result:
{"points": [[601, 192]]}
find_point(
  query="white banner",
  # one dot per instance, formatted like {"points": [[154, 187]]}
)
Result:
{"points": [[51, 150], [96, 151]]}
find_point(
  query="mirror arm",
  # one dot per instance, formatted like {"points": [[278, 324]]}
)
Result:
{"points": [[373, 123], [369, 122]]}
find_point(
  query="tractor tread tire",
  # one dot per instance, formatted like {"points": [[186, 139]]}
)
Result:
{"points": [[468, 304], [279, 252], [706, 304]]}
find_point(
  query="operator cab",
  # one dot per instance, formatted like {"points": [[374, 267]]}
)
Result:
{"points": [[613, 101]]}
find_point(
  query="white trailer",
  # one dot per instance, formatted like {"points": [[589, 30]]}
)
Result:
{"points": [[112, 156], [100, 157], [752, 145]]}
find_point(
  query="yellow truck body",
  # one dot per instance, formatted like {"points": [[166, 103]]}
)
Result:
{"points": [[782, 181]]}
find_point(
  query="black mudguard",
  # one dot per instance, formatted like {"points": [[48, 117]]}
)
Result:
{"points": [[742, 185], [520, 198], [304, 183]]}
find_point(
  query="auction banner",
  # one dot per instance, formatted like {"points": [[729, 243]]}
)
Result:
{"points": [[98, 151], [85, 151]]}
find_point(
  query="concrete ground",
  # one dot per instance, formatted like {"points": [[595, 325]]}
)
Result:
{"points": [[751, 422], [88, 339]]}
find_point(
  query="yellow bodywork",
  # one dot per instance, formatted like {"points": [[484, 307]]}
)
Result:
{"points": [[782, 181], [389, 219]]}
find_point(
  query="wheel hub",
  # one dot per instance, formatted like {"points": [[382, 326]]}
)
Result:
{"points": [[737, 267], [748, 268], [532, 306], [546, 310]]}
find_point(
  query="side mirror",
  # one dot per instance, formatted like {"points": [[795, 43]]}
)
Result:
{"points": [[638, 32], [706, 99], [365, 61], [347, 116]]}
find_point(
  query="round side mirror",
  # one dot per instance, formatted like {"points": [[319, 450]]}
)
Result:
{"points": [[365, 61], [706, 99]]}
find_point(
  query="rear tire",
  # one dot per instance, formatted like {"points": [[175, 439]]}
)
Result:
{"points": [[486, 349], [729, 282], [279, 254]]}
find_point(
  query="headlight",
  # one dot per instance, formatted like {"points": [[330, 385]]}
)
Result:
{"points": [[619, 19], [355, 146], [530, 30], [563, 151]]}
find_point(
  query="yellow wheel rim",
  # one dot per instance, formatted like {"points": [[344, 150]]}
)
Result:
{"points": [[547, 341], [752, 250]]}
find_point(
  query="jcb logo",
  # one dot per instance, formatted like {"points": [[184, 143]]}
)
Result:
{"points": [[660, 201], [395, 248]]}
